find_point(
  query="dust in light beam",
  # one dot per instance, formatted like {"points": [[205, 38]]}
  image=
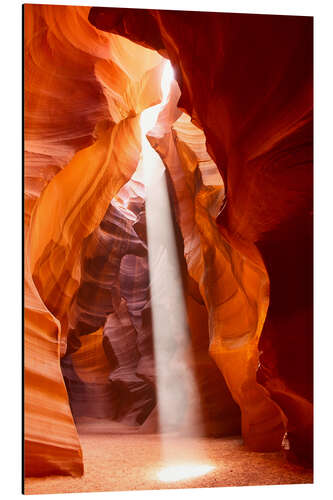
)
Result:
{"points": [[178, 398]]}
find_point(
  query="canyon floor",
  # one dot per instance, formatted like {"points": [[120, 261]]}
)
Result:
{"points": [[131, 461]]}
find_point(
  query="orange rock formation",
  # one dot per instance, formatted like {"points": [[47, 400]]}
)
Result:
{"points": [[82, 143], [246, 80], [239, 161]]}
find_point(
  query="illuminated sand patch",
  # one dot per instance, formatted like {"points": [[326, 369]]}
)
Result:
{"points": [[183, 471]]}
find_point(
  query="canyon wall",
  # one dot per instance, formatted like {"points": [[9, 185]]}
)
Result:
{"points": [[239, 164], [246, 80], [113, 296], [86, 273], [82, 143], [233, 289]]}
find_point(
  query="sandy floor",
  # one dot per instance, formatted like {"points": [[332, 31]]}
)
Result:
{"points": [[131, 462]]}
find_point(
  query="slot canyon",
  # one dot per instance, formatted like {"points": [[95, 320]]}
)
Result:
{"points": [[168, 263]]}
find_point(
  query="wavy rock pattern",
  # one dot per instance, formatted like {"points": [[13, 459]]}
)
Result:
{"points": [[247, 278], [114, 295], [218, 270], [254, 103], [78, 154], [58, 452], [102, 254]]}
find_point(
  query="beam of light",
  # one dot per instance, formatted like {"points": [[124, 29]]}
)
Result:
{"points": [[178, 398], [175, 473]]}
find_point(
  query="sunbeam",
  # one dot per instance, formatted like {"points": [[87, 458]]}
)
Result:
{"points": [[176, 388]]}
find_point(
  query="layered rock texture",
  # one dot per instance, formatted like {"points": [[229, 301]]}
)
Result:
{"points": [[114, 296], [246, 81], [236, 140], [83, 93]]}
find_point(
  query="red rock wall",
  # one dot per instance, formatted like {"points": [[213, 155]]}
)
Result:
{"points": [[233, 290], [246, 80]]}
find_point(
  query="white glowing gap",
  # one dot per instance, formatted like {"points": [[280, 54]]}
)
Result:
{"points": [[185, 471], [167, 77], [149, 116]]}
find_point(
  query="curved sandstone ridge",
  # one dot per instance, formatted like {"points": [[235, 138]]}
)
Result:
{"points": [[246, 80], [114, 295], [78, 154], [233, 288], [46, 401]]}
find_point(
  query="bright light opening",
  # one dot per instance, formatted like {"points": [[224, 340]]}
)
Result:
{"points": [[167, 76], [175, 473], [151, 167], [149, 116]]}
